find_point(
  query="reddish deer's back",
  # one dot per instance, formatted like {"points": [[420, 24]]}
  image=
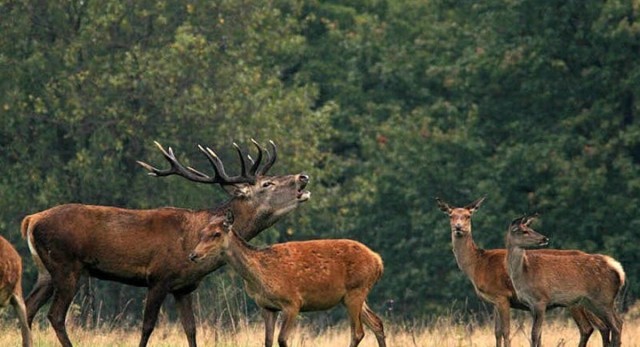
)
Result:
{"points": [[319, 273], [10, 271]]}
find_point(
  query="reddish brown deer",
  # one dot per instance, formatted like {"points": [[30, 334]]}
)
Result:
{"points": [[150, 248], [546, 279], [488, 273], [298, 276], [11, 287]]}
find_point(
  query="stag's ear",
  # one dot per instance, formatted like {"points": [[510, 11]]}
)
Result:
{"points": [[228, 218], [474, 206], [443, 206], [238, 190]]}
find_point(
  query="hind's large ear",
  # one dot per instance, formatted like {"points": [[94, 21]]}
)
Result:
{"points": [[529, 219], [443, 206], [474, 206]]}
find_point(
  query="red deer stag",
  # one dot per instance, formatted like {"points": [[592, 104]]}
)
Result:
{"points": [[298, 276], [150, 248], [11, 286], [488, 273], [546, 279]]}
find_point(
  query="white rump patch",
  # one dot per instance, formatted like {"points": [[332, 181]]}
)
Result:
{"points": [[617, 267]]}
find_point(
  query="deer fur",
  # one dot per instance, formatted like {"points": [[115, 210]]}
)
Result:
{"points": [[545, 279], [11, 287], [486, 268], [299, 276], [147, 248]]}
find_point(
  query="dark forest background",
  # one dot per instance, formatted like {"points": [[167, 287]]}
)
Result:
{"points": [[386, 104]]}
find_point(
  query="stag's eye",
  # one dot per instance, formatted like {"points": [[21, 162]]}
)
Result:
{"points": [[267, 183]]}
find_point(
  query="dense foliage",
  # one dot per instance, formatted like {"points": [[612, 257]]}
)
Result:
{"points": [[386, 104]]}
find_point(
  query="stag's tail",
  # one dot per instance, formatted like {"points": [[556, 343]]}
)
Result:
{"points": [[374, 323], [26, 228]]}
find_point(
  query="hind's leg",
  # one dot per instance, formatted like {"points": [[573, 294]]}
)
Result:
{"points": [[354, 302], [18, 304], [374, 323]]}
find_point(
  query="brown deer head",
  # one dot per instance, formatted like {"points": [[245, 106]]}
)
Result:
{"points": [[521, 235], [213, 239], [257, 199], [460, 217]]}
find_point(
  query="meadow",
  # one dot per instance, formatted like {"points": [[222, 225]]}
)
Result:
{"points": [[441, 332]]}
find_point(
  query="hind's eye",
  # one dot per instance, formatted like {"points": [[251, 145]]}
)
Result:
{"points": [[266, 184]]}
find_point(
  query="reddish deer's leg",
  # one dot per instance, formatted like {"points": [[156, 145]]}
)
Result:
{"points": [[354, 302], [584, 325], [374, 323], [184, 303], [503, 323], [18, 304], [269, 326], [288, 319], [536, 329], [41, 292], [155, 297]]}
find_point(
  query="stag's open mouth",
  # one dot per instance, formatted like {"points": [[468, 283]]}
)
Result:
{"points": [[303, 195]]}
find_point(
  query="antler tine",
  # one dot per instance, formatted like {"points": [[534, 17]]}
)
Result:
{"points": [[221, 176], [270, 159], [175, 169], [256, 163], [243, 163]]}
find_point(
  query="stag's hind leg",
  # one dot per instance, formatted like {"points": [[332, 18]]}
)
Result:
{"points": [[41, 292], [21, 311], [65, 288], [374, 323]]}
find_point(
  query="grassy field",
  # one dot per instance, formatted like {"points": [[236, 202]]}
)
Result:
{"points": [[441, 333]]}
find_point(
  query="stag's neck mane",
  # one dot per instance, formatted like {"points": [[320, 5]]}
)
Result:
{"points": [[248, 221], [466, 253]]}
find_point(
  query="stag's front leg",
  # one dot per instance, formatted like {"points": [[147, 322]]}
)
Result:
{"points": [[155, 296], [184, 303]]}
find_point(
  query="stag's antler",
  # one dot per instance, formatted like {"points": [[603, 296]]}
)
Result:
{"points": [[220, 176]]}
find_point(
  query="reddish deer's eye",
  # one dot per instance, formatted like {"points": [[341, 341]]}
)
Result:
{"points": [[266, 184]]}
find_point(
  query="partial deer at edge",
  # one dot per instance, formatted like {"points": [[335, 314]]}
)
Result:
{"points": [[11, 287], [545, 279], [486, 268], [299, 276], [150, 248]]}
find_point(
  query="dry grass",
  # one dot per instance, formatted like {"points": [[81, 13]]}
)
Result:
{"points": [[442, 333]]}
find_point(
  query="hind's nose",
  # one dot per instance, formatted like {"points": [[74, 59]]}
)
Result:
{"points": [[304, 178]]}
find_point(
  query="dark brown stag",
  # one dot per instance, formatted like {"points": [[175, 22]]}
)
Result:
{"points": [[11, 286], [150, 248]]}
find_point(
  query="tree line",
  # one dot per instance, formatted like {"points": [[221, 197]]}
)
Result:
{"points": [[385, 104]]}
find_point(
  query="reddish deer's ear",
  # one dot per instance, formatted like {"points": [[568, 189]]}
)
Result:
{"points": [[472, 207], [443, 206]]}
